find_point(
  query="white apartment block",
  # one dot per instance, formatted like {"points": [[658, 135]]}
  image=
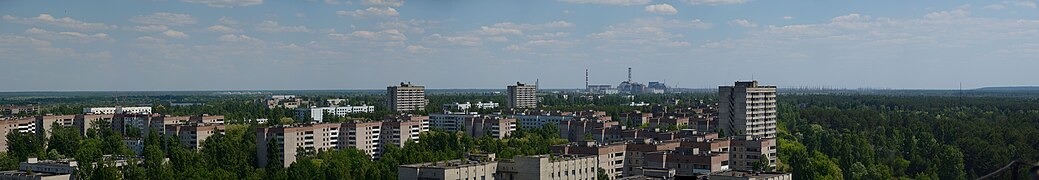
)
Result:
{"points": [[450, 122], [118, 110], [747, 110], [548, 167], [318, 113], [464, 107]]}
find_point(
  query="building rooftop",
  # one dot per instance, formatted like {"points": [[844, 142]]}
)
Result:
{"points": [[748, 174], [449, 164]]}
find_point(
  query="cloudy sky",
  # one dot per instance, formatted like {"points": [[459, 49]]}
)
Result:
{"points": [[369, 44]]}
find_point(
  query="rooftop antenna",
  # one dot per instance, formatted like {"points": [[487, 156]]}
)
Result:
{"points": [[536, 83], [629, 74]]}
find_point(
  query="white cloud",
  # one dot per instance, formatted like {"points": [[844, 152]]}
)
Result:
{"points": [[222, 28], [384, 35], [68, 36], [499, 31], [228, 21], [226, 3], [65, 22], [609, 2], [150, 28], [958, 13], [788, 17], [453, 40], [271, 26], [1031, 4], [715, 2], [394, 3], [645, 35], [410, 26], [175, 34], [238, 38], [665, 9], [743, 23], [164, 18], [371, 12], [418, 49], [149, 39]]}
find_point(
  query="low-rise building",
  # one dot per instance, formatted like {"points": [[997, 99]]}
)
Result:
{"points": [[548, 167], [467, 169]]}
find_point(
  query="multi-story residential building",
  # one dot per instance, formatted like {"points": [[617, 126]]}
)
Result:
{"points": [[192, 135], [668, 122], [464, 107], [688, 161], [576, 130], [450, 121], [118, 110], [23, 125], [134, 144], [401, 132], [318, 113], [15, 110], [406, 97], [747, 110], [283, 101], [536, 119], [745, 153], [87, 121], [364, 136], [522, 96], [548, 167], [289, 141], [44, 123], [635, 158], [610, 157], [496, 127], [467, 169]]}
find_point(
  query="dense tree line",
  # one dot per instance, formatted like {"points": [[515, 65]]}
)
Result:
{"points": [[880, 137]]}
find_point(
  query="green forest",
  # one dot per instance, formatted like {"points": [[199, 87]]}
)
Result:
{"points": [[821, 137]]}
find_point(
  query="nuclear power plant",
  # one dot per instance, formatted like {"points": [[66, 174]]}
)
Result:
{"points": [[626, 87]]}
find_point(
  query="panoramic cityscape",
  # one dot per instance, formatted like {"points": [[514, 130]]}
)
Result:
{"points": [[499, 89]]}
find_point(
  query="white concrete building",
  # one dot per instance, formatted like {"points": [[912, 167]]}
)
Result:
{"points": [[118, 110], [318, 113]]}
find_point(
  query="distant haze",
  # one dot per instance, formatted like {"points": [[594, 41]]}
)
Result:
{"points": [[371, 44]]}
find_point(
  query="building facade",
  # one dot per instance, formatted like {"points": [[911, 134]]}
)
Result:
{"points": [[548, 167], [318, 113], [406, 97], [747, 110], [522, 96]]}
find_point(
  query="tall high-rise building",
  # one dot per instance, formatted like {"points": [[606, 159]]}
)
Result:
{"points": [[522, 96], [747, 112], [406, 97]]}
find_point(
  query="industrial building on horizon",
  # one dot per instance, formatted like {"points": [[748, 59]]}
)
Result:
{"points": [[626, 87]]}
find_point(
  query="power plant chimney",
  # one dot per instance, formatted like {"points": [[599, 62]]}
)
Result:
{"points": [[586, 78]]}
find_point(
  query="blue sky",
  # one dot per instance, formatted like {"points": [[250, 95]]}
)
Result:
{"points": [[370, 44]]}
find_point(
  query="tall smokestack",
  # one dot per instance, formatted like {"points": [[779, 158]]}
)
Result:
{"points": [[629, 74], [586, 78]]}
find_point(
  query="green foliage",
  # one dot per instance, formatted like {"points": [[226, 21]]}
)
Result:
{"points": [[64, 140]]}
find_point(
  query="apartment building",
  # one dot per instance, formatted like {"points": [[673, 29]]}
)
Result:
{"points": [[745, 153], [492, 126], [406, 97], [317, 114], [15, 110], [610, 157], [22, 125], [44, 123], [464, 107], [450, 121], [283, 101], [117, 110], [638, 150], [87, 121], [548, 167], [401, 132], [289, 141], [747, 110], [748, 175], [192, 135], [576, 130], [688, 161], [449, 170], [522, 96], [364, 136]]}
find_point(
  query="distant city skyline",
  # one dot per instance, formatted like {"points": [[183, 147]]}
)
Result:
{"points": [[371, 44]]}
